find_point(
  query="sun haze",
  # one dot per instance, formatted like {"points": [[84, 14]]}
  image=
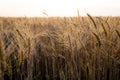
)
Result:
{"points": [[34, 8]]}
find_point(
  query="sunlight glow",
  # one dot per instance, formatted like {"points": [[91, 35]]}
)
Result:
{"points": [[59, 7]]}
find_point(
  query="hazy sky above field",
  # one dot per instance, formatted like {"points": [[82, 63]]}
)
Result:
{"points": [[59, 7]]}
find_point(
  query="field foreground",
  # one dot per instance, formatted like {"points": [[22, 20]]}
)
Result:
{"points": [[69, 48]]}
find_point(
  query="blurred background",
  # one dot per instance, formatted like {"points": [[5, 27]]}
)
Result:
{"points": [[38, 8]]}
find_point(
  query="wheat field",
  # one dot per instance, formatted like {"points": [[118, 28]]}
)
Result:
{"points": [[60, 48]]}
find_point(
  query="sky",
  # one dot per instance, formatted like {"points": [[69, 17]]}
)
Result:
{"points": [[37, 8]]}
